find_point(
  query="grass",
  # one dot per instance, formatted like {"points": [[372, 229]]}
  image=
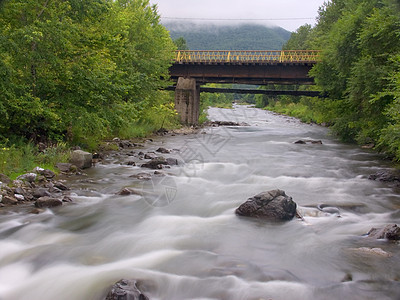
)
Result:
{"points": [[22, 157], [298, 110], [19, 157]]}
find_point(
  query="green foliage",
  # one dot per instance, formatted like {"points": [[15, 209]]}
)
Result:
{"points": [[22, 157], [360, 43], [216, 99], [181, 44], [390, 137], [80, 70], [299, 40]]}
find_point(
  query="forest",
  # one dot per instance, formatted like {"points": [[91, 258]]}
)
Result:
{"points": [[359, 70], [209, 36], [76, 72]]}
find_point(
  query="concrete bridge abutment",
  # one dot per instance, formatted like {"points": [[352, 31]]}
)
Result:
{"points": [[187, 100]]}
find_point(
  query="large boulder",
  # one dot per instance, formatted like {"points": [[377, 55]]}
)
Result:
{"points": [[81, 159], [390, 232], [273, 205], [125, 290]]}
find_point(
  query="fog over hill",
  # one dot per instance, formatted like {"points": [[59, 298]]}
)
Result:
{"points": [[208, 36]]}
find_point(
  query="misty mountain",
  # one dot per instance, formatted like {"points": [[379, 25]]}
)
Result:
{"points": [[201, 36]]}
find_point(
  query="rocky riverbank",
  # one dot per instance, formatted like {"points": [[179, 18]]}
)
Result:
{"points": [[42, 188]]}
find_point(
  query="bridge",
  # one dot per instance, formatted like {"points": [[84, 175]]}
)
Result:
{"points": [[191, 69]]}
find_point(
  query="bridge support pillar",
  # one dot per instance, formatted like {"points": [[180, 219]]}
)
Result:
{"points": [[187, 100]]}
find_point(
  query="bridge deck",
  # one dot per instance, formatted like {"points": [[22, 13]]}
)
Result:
{"points": [[235, 57]]}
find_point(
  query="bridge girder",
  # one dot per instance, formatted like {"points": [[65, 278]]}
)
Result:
{"points": [[246, 73]]}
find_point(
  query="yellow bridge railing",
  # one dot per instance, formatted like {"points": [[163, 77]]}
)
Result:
{"points": [[234, 56]]}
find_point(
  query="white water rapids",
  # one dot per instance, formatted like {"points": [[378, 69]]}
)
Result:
{"points": [[182, 240]]}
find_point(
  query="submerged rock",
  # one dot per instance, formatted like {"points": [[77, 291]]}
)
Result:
{"points": [[163, 150], [150, 155], [372, 251], [389, 232], [227, 123], [159, 162], [319, 142], [273, 205], [125, 290], [141, 176], [326, 208], [386, 176], [129, 191]]}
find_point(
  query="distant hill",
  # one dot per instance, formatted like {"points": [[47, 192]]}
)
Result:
{"points": [[229, 37]]}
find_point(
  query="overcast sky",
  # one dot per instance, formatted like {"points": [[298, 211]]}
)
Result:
{"points": [[289, 14]]}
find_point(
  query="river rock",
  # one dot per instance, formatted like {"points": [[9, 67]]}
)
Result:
{"points": [[389, 232], [8, 200], [65, 167], [59, 185], [19, 197], [67, 199], [81, 159], [273, 205], [163, 150], [372, 251], [4, 179], [129, 191], [150, 155], [172, 161], [47, 202], [40, 192], [25, 192], [47, 173], [326, 208], [125, 144], [156, 163], [386, 176], [319, 142], [142, 176], [125, 290], [228, 123], [29, 177]]}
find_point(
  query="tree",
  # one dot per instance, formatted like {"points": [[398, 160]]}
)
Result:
{"points": [[181, 44], [299, 39], [79, 69]]}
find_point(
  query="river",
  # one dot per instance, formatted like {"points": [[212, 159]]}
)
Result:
{"points": [[181, 238]]}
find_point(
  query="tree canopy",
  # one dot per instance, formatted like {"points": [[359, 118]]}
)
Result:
{"points": [[77, 69], [360, 43]]}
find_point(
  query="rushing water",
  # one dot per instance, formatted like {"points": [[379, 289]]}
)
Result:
{"points": [[181, 238]]}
